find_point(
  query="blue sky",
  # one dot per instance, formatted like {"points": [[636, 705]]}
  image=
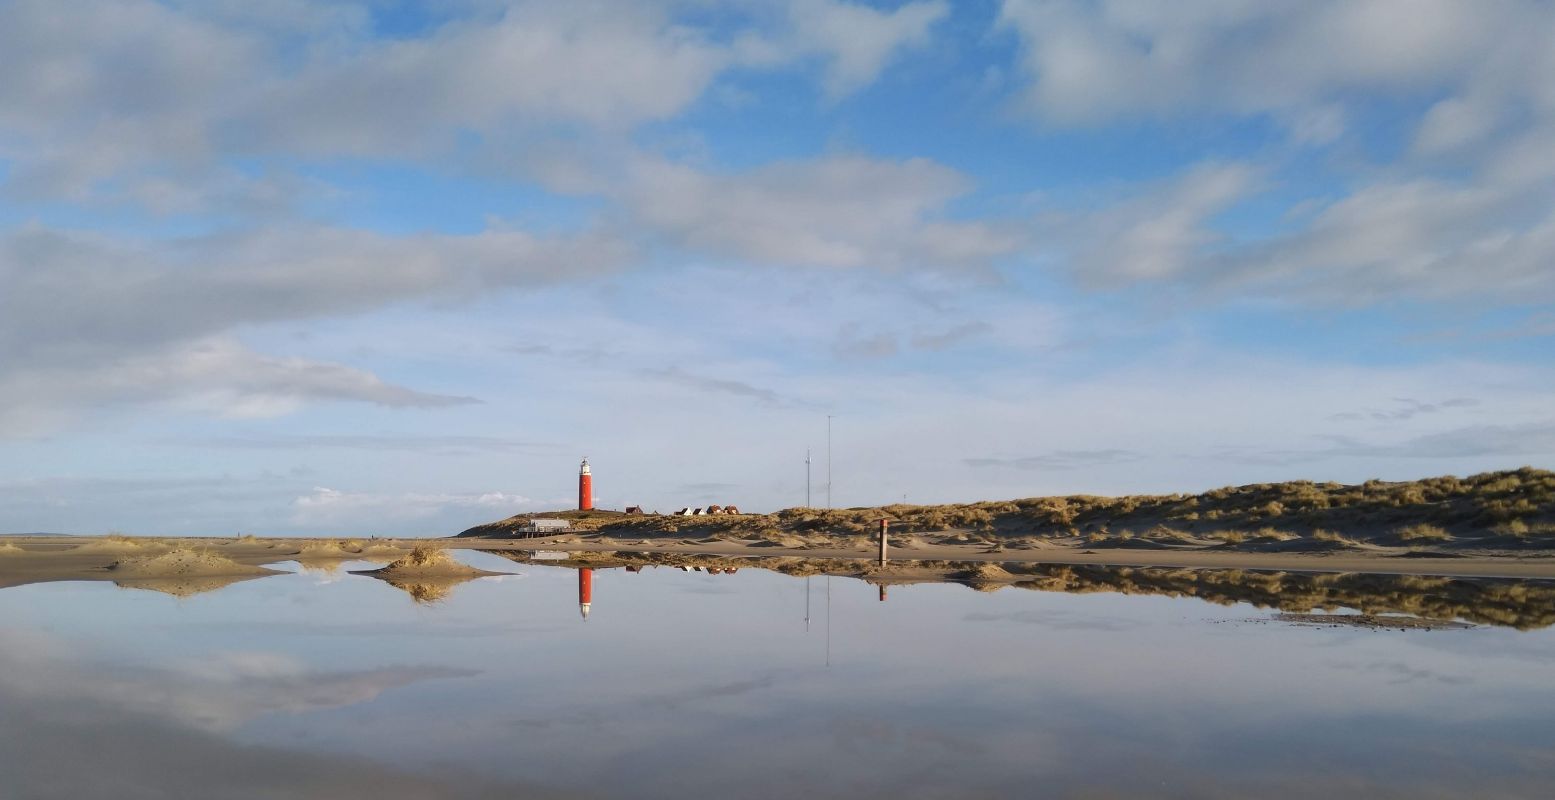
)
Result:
{"points": [[315, 267]]}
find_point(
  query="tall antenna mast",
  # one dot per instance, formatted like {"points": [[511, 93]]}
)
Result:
{"points": [[828, 461], [807, 478]]}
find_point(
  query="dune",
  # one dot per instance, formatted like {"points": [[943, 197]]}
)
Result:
{"points": [[1305, 546], [426, 562], [327, 549], [427, 574], [382, 551], [986, 577], [182, 563], [116, 545], [8, 549], [781, 540], [1130, 544]]}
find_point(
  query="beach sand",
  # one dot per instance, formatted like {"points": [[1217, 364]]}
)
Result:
{"points": [[32, 559]]}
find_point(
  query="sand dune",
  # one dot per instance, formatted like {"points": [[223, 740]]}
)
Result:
{"points": [[427, 574], [426, 562], [182, 563]]}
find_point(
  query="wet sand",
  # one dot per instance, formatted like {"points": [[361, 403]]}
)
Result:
{"points": [[1380, 560], [145, 561], [32, 559]]}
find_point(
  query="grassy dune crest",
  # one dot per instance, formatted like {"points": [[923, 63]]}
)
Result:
{"points": [[1507, 509]]}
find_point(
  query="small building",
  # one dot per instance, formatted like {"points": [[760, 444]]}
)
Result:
{"points": [[546, 526]]}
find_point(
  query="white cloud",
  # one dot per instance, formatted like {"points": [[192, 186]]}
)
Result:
{"points": [[125, 97], [860, 41], [89, 320], [612, 65], [1485, 238], [325, 507], [110, 86], [1161, 232], [213, 376], [1422, 238], [1094, 62], [834, 211]]}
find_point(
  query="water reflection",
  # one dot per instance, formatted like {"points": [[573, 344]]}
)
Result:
{"points": [[185, 587], [1520, 604], [692, 680]]}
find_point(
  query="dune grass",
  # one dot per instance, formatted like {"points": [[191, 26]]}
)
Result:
{"points": [[1445, 509]]}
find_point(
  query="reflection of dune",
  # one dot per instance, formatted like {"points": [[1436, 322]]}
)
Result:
{"points": [[185, 587], [427, 574], [427, 589], [1522, 604], [985, 577], [182, 572], [324, 568], [1518, 604]]}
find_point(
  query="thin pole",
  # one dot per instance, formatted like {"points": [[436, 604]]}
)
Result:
{"points": [[807, 478], [828, 461], [807, 604], [828, 620]]}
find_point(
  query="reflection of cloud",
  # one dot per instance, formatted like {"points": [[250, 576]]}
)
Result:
{"points": [[1057, 620], [444, 629], [212, 694], [133, 753], [851, 732], [149, 732], [1399, 672], [667, 701]]}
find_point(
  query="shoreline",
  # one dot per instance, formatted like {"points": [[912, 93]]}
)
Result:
{"points": [[1500, 591], [34, 559], [1525, 567]]}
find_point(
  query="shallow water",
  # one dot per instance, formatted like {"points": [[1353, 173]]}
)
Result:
{"points": [[326, 684]]}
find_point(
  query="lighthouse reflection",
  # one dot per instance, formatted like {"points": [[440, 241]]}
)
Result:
{"points": [[586, 582]]}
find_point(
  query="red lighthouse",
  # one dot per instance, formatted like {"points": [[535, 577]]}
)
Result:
{"points": [[585, 591], [585, 487]]}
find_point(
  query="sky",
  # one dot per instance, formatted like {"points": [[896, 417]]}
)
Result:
{"points": [[393, 267]]}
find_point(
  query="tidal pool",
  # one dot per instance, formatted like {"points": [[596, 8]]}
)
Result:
{"points": [[751, 684]]}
